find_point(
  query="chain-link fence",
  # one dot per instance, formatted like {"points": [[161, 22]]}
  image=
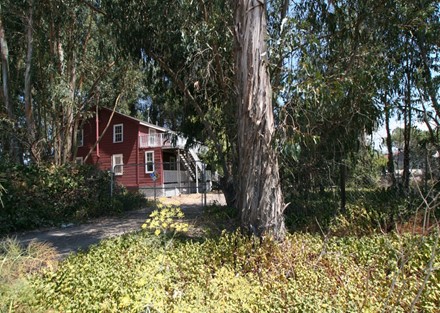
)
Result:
{"points": [[165, 179]]}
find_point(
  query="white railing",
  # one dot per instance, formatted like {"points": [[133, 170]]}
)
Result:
{"points": [[174, 177], [160, 140]]}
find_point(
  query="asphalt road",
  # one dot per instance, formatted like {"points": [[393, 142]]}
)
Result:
{"points": [[71, 238]]}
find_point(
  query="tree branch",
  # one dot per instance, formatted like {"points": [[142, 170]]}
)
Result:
{"points": [[92, 7], [115, 104]]}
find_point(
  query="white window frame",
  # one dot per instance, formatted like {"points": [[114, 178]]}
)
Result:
{"points": [[79, 160], [115, 134], [149, 163], [80, 138], [118, 167]]}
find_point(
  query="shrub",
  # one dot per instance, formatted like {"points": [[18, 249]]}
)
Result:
{"points": [[234, 273], [41, 196], [167, 219], [128, 199]]}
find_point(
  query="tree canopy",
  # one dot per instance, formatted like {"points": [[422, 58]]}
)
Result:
{"points": [[333, 72]]}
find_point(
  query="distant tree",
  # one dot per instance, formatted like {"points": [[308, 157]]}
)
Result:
{"points": [[58, 61]]}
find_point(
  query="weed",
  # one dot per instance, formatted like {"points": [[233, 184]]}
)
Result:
{"points": [[16, 264]]}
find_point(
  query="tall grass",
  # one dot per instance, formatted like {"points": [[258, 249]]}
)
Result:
{"points": [[17, 263]]}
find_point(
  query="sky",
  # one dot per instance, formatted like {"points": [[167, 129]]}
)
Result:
{"points": [[380, 134]]}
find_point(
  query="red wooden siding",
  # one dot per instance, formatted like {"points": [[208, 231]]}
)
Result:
{"points": [[134, 158], [145, 178]]}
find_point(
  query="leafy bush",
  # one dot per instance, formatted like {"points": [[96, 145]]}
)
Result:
{"points": [[234, 273], [366, 212], [41, 196], [127, 199]]}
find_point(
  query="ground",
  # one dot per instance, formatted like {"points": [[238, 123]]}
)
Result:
{"points": [[71, 238]]}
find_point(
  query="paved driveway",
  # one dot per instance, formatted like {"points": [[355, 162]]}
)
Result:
{"points": [[78, 237], [72, 238]]}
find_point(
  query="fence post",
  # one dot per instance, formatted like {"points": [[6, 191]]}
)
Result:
{"points": [[204, 184], [197, 177], [179, 178], [112, 174]]}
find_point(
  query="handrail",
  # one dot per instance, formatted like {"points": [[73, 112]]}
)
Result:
{"points": [[160, 140]]}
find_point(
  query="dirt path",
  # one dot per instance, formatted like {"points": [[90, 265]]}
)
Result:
{"points": [[72, 238]]}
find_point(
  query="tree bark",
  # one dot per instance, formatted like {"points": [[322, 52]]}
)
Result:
{"points": [[4, 53], [5, 69], [259, 197], [407, 134], [342, 184], [390, 163], [28, 109]]}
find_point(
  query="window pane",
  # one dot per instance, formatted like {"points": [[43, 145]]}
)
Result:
{"points": [[118, 164], [118, 133], [149, 162]]}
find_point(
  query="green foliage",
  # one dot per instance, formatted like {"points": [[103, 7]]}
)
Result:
{"points": [[163, 220], [125, 200], [367, 211], [41, 196], [305, 211], [234, 273]]}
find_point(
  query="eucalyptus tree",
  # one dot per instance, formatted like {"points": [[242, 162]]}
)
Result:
{"points": [[199, 51], [61, 63], [408, 32], [9, 142], [260, 198], [330, 96]]}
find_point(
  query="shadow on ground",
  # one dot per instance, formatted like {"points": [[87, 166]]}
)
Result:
{"points": [[73, 238], [79, 237]]}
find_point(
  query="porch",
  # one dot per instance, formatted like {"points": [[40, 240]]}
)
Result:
{"points": [[163, 140], [178, 182]]}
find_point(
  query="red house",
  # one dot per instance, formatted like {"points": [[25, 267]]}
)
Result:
{"points": [[142, 156]]}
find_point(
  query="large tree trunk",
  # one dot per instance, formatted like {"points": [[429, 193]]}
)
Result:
{"points": [[5, 69], [29, 115], [407, 116], [259, 197], [4, 53], [390, 163], [343, 185]]}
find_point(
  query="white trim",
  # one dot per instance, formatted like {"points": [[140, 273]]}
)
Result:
{"points": [[154, 126], [141, 122], [118, 164], [79, 160], [149, 163], [119, 133]]}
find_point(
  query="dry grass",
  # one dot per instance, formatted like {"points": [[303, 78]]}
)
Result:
{"points": [[16, 264]]}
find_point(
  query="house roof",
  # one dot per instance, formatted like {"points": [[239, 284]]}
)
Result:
{"points": [[141, 122]]}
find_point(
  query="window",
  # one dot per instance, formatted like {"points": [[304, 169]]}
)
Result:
{"points": [[79, 160], [149, 161], [172, 163], [118, 164], [152, 137], [80, 137], [118, 133]]}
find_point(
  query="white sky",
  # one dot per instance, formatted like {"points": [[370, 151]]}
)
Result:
{"points": [[380, 135]]}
